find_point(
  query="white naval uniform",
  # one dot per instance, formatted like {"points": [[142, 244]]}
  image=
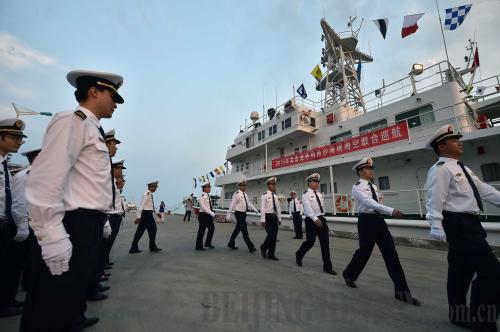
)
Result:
{"points": [[19, 204], [146, 203], [449, 190], [298, 205], [238, 203], [205, 204], [312, 209], [266, 206], [119, 205], [365, 203], [68, 176]]}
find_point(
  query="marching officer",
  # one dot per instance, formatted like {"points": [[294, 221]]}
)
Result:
{"points": [[454, 205], [205, 218], [69, 193], [270, 218], [111, 142], [146, 220], [240, 205], [315, 224], [296, 211], [12, 229], [372, 230]]}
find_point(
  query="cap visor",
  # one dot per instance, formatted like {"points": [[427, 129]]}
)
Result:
{"points": [[118, 98]]}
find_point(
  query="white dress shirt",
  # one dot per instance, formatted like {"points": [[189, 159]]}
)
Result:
{"points": [[239, 204], [119, 205], [449, 190], [147, 203], [312, 209], [19, 204], [205, 204], [298, 205], [365, 203], [72, 171], [266, 206]]}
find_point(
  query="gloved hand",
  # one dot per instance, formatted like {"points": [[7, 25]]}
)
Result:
{"points": [[438, 233], [107, 230], [57, 255], [228, 216], [22, 234]]}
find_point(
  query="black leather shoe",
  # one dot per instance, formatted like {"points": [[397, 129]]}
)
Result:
{"points": [[97, 297], [349, 282], [134, 251], [156, 250], [102, 288], [199, 249], [263, 252], [88, 322], [298, 260], [209, 246], [330, 271], [273, 258], [406, 297], [252, 250], [232, 247], [10, 311]]}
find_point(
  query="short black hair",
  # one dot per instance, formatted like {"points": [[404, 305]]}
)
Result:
{"points": [[81, 94]]}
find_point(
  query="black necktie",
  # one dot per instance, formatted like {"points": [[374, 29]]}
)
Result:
{"points": [[319, 202], [8, 194], [374, 194], [274, 205], [294, 206], [210, 202], [111, 165], [246, 203], [473, 186]]}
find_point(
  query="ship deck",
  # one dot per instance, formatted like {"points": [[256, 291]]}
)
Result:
{"points": [[180, 289]]}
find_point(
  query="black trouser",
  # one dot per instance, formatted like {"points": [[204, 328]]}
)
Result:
{"points": [[297, 224], [313, 231], [241, 226], [147, 221], [469, 253], [115, 221], [187, 215], [9, 262], [99, 264], [206, 221], [372, 230], [54, 303], [29, 250], [269, 244]]}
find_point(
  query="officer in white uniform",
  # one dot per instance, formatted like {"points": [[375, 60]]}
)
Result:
{"points": [[372, 230], [454, 205], [240, 204], [12, 229], [146, 220], [296, 211], [205, 218], [270, 218], [316, 225]]}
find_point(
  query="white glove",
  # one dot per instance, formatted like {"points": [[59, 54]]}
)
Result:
{"points": [[228, 216], [213, 214], [107, 230], [438, 233], [57, 255], [22, 234]]}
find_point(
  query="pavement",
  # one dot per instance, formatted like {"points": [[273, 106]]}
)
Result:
{"points": [[181, 289]]}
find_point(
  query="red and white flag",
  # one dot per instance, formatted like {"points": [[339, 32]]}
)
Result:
{"points": [[410, 24], [475, 64]]}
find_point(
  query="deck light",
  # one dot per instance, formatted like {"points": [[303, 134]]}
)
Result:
{"points": [[417, 69]]}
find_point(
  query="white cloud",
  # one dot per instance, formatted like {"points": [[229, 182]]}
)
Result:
{"points": [[14, 54]]}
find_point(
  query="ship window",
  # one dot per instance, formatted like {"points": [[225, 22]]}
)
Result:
{"points": [[340, 137], [261, 135], [228, 194], [491, 172], [417, 117], [287, 123], [304, 147], [282, 151], [247, 166], [335, 190], [273, 130], [383, 183], [297, 150], [247, 142], [325, 188], [313, 122], [372, 126]]}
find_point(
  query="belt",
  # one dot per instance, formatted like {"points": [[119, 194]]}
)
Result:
{"points": [[88, 212], [464, 214]]}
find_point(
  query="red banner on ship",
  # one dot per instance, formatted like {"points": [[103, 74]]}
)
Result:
{"points": [[386, 135]]}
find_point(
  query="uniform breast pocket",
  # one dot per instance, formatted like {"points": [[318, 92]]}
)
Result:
{"points": [[462, 184], [100, 155]]}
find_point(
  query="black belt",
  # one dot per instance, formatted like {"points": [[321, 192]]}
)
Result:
{"points": [[87, 212], [369, 214], [463, 214]]}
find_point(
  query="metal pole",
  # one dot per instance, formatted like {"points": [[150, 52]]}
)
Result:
{"points": [[419, 203], [442, 33], [266, 157], [222, 197], [333, 191]]}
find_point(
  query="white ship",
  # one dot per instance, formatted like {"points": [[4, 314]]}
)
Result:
{"points": [[390, 124]]}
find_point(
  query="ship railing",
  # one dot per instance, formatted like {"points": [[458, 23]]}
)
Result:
{"points": [[488, 87]]}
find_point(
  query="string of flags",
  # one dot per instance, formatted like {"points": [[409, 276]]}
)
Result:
{"points": [[220, 170]]}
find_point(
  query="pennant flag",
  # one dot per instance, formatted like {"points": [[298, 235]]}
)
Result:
{"points": [[208, 179], [358, 71], [217, 171], [195, 184], [212, 174], [410, 24], [455, 16], [221, 168], [382, 25], [203, 178], [475, 64], [316, 72], [480, 90], [200, 180], [302, 91]]}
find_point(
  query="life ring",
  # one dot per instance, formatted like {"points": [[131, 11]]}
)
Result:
{"points": [[343, 204]]}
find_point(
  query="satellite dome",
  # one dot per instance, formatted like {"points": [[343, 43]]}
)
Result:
{"points": [[254, 116]]}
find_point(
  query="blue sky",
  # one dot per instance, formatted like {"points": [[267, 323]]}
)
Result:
{"points": [[194, 70]]}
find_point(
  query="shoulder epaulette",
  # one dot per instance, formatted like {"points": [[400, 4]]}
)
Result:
{"points": [[357, 183], [440, 163], [28, 172], [80, 114], [147, 193]]}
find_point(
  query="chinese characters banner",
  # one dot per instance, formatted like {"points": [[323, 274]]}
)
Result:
{"points": [[386, 135]]}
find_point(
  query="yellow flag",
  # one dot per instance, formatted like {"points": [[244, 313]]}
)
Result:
{"points": [[316, 72]]}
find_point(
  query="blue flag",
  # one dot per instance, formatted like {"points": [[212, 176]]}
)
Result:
{"points": [[358, 71], [455, 16], [302, 91]]}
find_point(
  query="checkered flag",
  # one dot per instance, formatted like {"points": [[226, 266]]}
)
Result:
{"points": [[455, 16]]}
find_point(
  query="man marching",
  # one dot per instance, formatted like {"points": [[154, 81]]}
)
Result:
{"points": [[296, 211], [372, 230], [270, 218], [454, 205], [205, 218], [240, 205]]}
